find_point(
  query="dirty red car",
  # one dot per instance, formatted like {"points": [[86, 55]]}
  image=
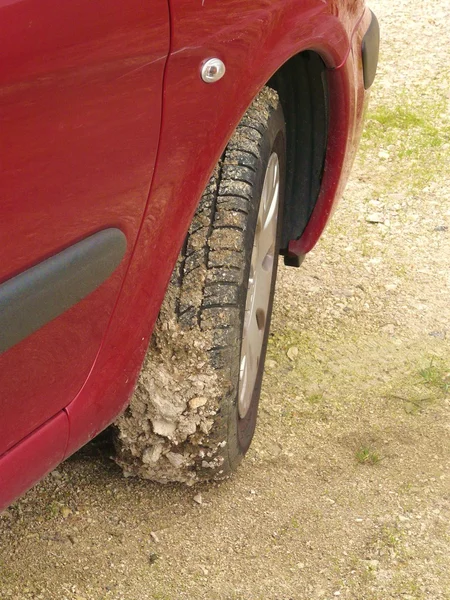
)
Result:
{"points": [[149, 150]]}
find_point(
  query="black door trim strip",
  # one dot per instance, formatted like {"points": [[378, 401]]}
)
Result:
{"points": [[40, 294]]}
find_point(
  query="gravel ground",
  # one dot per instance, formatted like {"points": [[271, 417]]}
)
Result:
{"points": [[345, 492]]}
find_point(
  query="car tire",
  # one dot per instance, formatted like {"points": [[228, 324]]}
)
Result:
{"points": [[194, 411]]}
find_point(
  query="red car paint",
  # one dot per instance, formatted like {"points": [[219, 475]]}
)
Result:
{"points": [[80, 100], [84, 135]]}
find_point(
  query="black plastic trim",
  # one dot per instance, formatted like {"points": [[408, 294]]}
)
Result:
{"points": [[370, 52], [294, 260], [43, 292]]}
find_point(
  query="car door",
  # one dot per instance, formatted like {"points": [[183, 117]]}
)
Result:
{"points": [[80, 116]]}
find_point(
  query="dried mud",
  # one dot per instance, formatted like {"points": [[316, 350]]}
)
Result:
{"points": [[173, 407]]}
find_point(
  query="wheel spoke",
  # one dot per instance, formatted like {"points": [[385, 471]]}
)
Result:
{"points": [[254, 338], [268, 226], [264, 279], [266, 243]]}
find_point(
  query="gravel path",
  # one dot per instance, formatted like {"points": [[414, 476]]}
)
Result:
{"points": [[345, 492]]}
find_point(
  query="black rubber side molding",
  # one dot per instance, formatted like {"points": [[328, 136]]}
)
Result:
{"points": [[370, 52], [42, 293]]}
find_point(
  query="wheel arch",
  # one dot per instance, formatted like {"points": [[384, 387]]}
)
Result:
{"points": [[301, 84], [198, 121]]}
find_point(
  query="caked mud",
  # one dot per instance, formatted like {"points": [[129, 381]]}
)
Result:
{"points": [[164, 432]]}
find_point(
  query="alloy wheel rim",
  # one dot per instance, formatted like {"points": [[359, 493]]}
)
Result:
{"points": [[259, 285]]}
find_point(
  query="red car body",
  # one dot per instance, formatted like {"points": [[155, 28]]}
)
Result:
{"points": [[106, 125]]}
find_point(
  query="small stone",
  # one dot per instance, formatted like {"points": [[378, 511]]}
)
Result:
{"points": [[375, 218], [390, 287], [383, 154], [440, 335], [153, 557], [198, 499], [301, 565], [56, 474], [271, 364], [337, 593], [441, 228], [292, 353], [197, 402], [65, 512], [410, 408], [359, 520], [389, 329], [152, 454], [377, 260], [273, 448], [154, 537], [344, 293], [175, 459], [164, 428]]}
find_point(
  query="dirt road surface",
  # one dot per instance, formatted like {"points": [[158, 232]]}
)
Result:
{"points": [[345, 492]]}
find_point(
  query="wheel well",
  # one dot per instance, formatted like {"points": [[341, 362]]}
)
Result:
{"points": [[302, 88]]}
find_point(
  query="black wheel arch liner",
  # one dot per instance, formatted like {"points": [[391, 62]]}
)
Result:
{"points": [[301, 84]]}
